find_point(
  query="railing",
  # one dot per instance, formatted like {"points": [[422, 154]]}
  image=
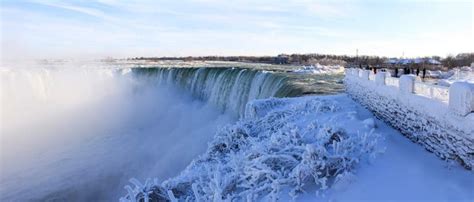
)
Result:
{"points": [[459, 96], [372, 76], [391, 81], [440, 93]]}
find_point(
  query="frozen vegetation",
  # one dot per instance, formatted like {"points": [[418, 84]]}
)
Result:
{"points": [[282, 146]]}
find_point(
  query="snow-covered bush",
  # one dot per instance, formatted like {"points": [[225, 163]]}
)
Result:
{"points": [[267, 154]]}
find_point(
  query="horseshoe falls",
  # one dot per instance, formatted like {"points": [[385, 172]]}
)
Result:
{"points": [[83, 131], [186, 132], [229, 89]]}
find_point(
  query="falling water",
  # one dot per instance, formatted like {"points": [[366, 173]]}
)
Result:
{"points": [[81, 133], [230, 89]]}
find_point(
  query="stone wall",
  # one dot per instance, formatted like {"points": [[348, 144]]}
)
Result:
{"points": [[443, 126]]}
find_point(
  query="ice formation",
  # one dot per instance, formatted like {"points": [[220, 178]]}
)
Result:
{"points": [[281, 145]]}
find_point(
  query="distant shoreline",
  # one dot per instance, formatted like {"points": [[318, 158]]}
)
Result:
{"points": [[462, 59]]}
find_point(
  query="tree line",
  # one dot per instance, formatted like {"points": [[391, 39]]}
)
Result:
{"points": [[451, 61]]}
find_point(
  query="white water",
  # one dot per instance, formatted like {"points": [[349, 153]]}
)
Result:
{"points": [[82, 134], [229, 89]]}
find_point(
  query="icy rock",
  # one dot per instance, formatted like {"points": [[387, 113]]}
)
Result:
{"points": [[461, 98], [369, 123]]}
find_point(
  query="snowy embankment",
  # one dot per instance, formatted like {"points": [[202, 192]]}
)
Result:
{"points": [[281, 147]]}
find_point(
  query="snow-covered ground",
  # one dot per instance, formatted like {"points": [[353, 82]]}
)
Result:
{"points": [[404, 172], [465, 74], [325, 148]]}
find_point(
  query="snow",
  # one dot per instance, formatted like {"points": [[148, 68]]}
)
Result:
{"points": [[407, 83], [320, 69], [435, 105], [369, 123], [426, 121], [380, 78], [461, 98], [405, 172], [314, 148], [283, 150], [463, 74], [440, 93], [364, 74]]}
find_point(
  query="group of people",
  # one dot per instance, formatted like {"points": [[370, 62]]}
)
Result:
{"points": [[406, 70]]}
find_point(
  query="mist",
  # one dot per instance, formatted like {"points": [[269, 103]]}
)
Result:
{"points": [[81, 134]]}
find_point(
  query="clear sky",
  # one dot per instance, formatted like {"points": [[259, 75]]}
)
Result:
{"points": [[56, 29]]}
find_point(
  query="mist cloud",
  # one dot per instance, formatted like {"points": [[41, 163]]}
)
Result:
{"points": [[84, 132]]}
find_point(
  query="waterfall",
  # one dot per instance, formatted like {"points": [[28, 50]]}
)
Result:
{"points": [[230, 89], [81, 133], [72, 131]]}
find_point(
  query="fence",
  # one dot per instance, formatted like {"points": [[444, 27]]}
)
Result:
{"points": [[459, 96]]}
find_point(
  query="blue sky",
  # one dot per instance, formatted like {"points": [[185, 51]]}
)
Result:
{"points": [[66, 29]]}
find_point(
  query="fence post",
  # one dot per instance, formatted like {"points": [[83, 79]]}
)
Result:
{"points": [[380, 78], [364, 74], [461, 98], [407, 83]]}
